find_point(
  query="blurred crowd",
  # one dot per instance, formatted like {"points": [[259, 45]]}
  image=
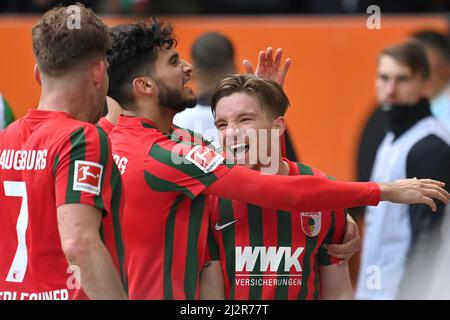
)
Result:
{"points": [[229, 6]]}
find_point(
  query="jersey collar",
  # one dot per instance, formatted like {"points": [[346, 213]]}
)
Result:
{"points": [[293, 168], [136, 121], [45, 114]]}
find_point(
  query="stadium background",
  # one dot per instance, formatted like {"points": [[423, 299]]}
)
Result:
{"points": [[330, 83]]}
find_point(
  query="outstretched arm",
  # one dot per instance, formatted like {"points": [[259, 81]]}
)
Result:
{"points": [[293, 193], [412, 191], [309, 193]]}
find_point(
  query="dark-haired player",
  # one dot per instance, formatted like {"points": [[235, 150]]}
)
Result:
{"points": [[167, 171]]}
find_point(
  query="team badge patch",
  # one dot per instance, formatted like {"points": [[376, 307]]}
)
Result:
{"points": [[87, 176], [311, 223], [204, 158]]}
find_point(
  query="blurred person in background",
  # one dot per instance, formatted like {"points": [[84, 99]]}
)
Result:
{"points": [[213, 57], [127, 6], [37, 6], [322, 7], [401, 240], [6, 114], [437, 47]]}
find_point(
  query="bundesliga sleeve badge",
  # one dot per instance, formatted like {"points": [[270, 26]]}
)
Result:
{"points": [[204, 158], [87, 177], [311, 223]]}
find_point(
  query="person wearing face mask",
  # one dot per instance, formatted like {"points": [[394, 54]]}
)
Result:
{"points": [[437, 48], [400, 240]]}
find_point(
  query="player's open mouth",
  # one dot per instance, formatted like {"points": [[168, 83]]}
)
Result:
{"points": [[185, 82], [239, 150]]}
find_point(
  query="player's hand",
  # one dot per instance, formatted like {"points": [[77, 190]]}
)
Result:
{"points": [[411, 191], [350, 244], [268, 67]]}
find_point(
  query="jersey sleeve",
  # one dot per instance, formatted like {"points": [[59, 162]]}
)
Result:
{"points": [[183, 166], [335, 234], [84, 171]]}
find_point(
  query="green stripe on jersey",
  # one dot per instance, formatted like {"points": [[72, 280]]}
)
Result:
{"points": [[168, 247], [311, 243], [55, 166], [305, 170], [191, 271], [8, 116], [195, 137], [100, 231], [104, 155], [226, 215], [324, 257], [77, 152], [213, 246], [162, 155], [162, 185], [147, 125], [255, 223], [116, 196], [284, 223], [316, 294]]}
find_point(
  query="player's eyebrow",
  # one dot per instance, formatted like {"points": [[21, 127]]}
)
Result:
{"points": [[238, 116], [174, 57], [217, 120], [248, 114]]}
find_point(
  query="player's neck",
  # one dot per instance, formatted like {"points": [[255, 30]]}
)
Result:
{"points": [[114, 111], [278, 167], [67, 98], [160, 116]]}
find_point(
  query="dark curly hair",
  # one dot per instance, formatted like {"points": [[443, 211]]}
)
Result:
{"points": [[134, 50]]}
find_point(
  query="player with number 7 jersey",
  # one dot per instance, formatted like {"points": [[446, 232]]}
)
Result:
{"points": [[48, 159]]}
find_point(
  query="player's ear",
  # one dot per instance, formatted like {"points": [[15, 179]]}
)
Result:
{"points": [[99, 71], [37, 75], [280, 124], [144, 85]]}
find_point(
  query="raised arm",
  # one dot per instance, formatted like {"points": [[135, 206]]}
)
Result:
{"points": [[269, 66]]}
